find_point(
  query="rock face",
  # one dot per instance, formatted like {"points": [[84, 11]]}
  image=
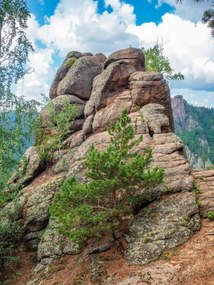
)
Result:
{"points": [[160, 226], [168, 216], [205, 182], [30, 166], [79, 78], [133, 56]]}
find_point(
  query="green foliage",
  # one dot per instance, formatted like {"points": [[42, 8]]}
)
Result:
{"points": [[117, 175], [186, 218], [15, 133], [156, 61], [208, 16], [14, 49], [197, 190], [210, 215], [14, 45], [71, 61], [197, 195], [60, 124], [10, 236], [16, 114]]}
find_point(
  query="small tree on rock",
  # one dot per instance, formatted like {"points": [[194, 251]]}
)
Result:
{"points": [[117, 176], [156, 61]]}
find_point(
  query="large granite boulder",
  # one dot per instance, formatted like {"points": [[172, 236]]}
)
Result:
{"points": [[133, 56], [78, 80], [162, 225], [108, 85], [62, 71], [150, 87], [59, 104], [54, 245]]}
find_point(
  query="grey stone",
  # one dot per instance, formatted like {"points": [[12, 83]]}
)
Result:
{"points": [[87, 127], [37, 206], [29, 167], [62, 71], [78, 81], [55, 107], [161, 226], [53, 244], [156, 119]]}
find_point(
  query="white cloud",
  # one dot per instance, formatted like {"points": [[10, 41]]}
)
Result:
{"points": [[194, 97], [74, 28], [188, 46], [36, 81], [188, 9]]}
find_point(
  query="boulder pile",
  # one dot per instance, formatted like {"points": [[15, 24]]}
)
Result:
{"points": [[102, 88]]}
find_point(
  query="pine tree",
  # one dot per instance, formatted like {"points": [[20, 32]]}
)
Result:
{"points": [[117, 176]]}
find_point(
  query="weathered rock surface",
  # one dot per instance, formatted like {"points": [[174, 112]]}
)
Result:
{"points": [[205, 182], [107, 86], [35, 212], [54, 244], [78, 80], [30, 166], [55, 106], [156, 119], [101, 57], [111, 113], [151, 88], [164, 224], [62, 71], [165, 274], [134, 56]]}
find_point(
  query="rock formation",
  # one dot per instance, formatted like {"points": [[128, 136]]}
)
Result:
{"points": [[168, 216]]}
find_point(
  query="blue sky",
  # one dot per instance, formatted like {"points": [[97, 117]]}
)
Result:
{"points": [[59, 26], [145, 10]]}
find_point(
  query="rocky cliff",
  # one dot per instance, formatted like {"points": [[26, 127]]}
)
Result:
{"points": [[168, 217], [194, 125]]}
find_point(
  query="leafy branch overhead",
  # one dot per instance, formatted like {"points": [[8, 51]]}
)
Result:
{"points": [[16, 114], [117, 176], [208, 16], [156, 61]]}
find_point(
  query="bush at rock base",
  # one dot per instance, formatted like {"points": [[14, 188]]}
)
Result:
{"points": [[10, 235]]}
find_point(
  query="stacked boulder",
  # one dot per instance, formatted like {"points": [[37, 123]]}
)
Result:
{"points": [[103, 88]]}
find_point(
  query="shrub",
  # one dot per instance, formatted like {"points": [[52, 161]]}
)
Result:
{"points": [[60, 125], [10, 235], [117, 176], [210, 215], [71, 62]]}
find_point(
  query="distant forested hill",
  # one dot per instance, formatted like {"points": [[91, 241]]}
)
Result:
{"points": [[195, 126]]}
